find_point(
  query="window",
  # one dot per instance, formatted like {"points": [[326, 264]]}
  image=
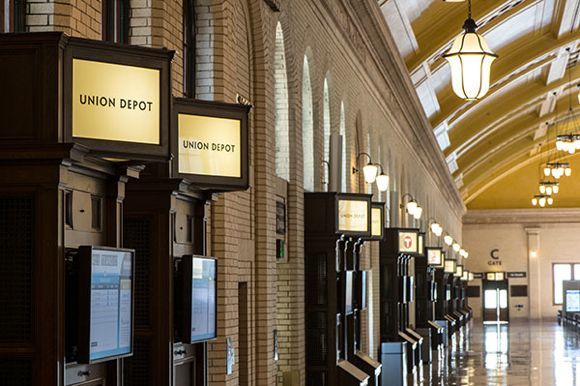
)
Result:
{"points": [[326, 132], [343, 134], [281, 101], [561, 272], [189, 48], [116, 21], [307, 128], [13, 16]]}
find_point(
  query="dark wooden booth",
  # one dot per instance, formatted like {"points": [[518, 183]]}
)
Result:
{"points": [[336, 225], [64, 175]]}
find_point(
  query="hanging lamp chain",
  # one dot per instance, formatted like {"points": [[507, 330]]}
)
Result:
{"points": [[469, 9]]}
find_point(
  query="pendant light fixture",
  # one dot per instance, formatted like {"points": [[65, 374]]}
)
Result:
{"points": [[470, 59], [549, 187], [569, 141], [542, 200]]}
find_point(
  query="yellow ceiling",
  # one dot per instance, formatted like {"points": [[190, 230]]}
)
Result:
{"points": [[517, 189], [489, 141]]}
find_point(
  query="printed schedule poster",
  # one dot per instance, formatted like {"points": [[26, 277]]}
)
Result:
{"points": [[203, 299], [111, 304]]}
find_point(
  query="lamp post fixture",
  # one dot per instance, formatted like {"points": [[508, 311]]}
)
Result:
{"points": [[370, 170]]}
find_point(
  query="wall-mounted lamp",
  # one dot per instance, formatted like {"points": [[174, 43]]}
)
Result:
{"points": [[533, 254], [448, 240], [382, 180], [436, 228], [463, 253], [456, 247], [412, 207], [370, 170]]}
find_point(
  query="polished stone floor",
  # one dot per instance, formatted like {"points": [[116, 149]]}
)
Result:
{"points": [[518, 354]]}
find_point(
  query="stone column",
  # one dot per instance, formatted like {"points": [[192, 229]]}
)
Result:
{"points": [[534, 282]]}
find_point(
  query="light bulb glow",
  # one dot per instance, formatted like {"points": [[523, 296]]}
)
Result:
{"points": [[417, 213], [534, 201], [542, 189], [456, 247], [550, 200], [370, 173], [470, 59], [411, 206], [448, 240], [383, 183]]}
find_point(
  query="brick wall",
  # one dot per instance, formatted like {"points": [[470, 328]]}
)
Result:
{"points": [[236, 55]]}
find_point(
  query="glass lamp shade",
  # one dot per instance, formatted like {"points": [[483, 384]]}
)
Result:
{"points": [[548, 190], [568, 171], [370, 172], [547, 171], [534, 201], [550, 200], [448, 240], [556, 188], [436, 229], [417, 213], [411, 206], [542, 201], [383, 183], [456, 247], [470, 59], [542, 189], [466, 255]]}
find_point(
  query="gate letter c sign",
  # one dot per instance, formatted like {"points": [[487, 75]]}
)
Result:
{"points": [[494, 254]]}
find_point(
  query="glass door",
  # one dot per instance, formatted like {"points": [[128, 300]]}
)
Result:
{"points": [[495, 301]]}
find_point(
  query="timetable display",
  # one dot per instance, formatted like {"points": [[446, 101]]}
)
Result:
{"points": [[572, 300], [106, 309]]}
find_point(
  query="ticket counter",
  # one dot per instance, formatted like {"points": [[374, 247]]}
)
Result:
{"points": [[74, 133]]}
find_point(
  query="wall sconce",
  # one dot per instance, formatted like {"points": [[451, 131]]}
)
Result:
{"points": [[370, 170], [412, 207], [448, 240], [436, 228], [456, 247], [533, 254], [382, 180], [463, 253]]}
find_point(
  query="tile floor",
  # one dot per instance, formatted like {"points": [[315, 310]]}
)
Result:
{"points": [[518, 354]]}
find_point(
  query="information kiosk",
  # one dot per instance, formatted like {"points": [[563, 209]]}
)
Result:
{"points": [[166, 223], [400, 344], [335, 224], [75, 130]]}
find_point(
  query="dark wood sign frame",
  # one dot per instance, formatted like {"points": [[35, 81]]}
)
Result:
{"points": [[381, 206], [105, 52], [354, 197], [84, 304], [442, 264], [216, 110]]}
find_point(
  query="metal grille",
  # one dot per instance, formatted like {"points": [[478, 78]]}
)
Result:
{"points": [[15, 372], [137, 235], [16, 255], [137, 367]]}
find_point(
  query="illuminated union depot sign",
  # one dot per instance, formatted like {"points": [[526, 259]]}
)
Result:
{"points": [[211, 143]]}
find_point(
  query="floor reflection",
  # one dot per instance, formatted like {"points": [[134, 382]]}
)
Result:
{"points": [[518, 354]]}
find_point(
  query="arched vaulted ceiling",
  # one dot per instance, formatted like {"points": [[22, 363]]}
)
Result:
{"points": [[488, 141]]}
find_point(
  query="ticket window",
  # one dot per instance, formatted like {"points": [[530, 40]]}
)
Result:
{"points": [[495, 301]]}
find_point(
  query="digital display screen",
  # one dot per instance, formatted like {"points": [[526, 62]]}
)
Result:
{"points": [[203, 299], [572, 300], [111, 303], [348, 295]]}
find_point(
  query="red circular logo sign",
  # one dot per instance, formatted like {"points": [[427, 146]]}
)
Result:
{"points": [[407, 242]]}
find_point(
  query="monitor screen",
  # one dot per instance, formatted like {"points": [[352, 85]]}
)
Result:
{"points": [[348, 295], [203, 299], [106, 278], [572, 300]]}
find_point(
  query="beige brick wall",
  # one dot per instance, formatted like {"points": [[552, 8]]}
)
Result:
{"points": [[236, 56]]}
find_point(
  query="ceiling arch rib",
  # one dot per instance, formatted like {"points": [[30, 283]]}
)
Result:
{"points": [[525, 128], [509, 159], [474, 127], [508, 166]]}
